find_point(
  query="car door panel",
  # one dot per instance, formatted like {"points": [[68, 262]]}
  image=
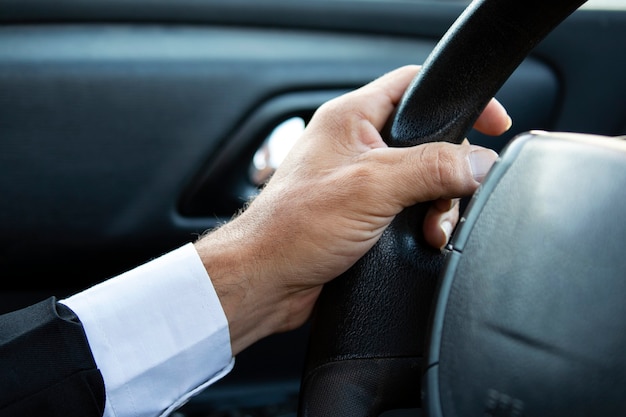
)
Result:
{"points": [[106, 126]]}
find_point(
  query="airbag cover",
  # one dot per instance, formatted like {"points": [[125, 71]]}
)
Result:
{"points": [[531, 310]]}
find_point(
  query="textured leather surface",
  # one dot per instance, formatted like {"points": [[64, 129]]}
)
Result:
{"points": [[355, 385], [371, 305], [535, 317], [470, 64], [380, 307]]}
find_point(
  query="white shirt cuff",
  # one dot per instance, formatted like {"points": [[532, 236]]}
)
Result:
{"points": [[158, 334]]}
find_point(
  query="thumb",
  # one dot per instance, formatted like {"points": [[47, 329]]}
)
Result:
{"points": [[439, 170]]}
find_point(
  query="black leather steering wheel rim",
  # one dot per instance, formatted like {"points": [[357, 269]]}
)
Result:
{"points": [[370, 326]]}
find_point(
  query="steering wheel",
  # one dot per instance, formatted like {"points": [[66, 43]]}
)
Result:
{"points": [[369, 331]]}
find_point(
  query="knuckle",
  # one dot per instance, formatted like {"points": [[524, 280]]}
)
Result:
{"points": [[335, 113], [447, 170], [442, 168]]}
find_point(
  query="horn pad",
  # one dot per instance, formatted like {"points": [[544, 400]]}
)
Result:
{"points": [[530, 317]]}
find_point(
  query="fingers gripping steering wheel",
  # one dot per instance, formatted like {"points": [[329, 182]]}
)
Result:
{"points": [[369, 330]]}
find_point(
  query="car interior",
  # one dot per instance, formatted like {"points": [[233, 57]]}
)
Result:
{"points": [[128, 128]]}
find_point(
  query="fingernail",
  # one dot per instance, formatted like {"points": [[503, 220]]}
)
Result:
{"points": [[446, 228], [481, 160], [503, 109], [509, 123]]}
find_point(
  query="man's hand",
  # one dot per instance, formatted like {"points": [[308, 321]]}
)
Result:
{"points": [[329, 203]]}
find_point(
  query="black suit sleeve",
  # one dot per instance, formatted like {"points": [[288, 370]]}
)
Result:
{"points": [[46, 365]]}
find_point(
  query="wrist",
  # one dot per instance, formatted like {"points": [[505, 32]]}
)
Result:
{"points": [[246, 283]]}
